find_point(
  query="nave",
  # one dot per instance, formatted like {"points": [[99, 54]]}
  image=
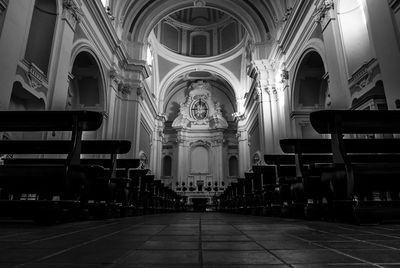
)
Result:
{"points": [[199, 240]]}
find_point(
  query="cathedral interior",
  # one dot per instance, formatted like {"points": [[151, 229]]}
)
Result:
{"points": [[199, 133]]}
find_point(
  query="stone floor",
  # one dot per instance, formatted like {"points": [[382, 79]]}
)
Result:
{"points": [[199, 240]]}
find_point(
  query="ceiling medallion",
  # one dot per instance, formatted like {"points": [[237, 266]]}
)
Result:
{"points": [[199, 3]]}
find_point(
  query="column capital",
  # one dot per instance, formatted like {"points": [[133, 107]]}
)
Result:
{"points": [[72, 13]]}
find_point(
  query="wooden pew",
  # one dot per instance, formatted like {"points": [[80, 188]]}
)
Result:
{"points": [[266, 184], [43, 192], [309, 193], [138, 189], [355, 182], [100, 189]]}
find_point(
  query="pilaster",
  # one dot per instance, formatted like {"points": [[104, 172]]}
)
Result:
{"points": [[71, 16], [382, 31], [325, 14], [15, 28]]}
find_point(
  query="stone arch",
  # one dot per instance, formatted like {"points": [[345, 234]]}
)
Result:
{"points": [[174, 74], [139, 20], [86, 55], [309, 92], [304, 70]]}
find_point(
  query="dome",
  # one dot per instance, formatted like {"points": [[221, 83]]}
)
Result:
{"points": [[199, 32]]}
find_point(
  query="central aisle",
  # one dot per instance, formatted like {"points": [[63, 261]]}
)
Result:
{"points": [[199, 240]]}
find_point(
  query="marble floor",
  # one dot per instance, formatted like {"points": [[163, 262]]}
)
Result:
{"points": [[199, 240]]}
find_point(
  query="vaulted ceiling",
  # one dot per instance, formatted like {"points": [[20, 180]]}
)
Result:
{"points": [[259, 17]]}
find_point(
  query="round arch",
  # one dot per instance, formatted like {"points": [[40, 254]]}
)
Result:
{"points": [[179, 71], [83, 46], [139, 20], [313, 47]]}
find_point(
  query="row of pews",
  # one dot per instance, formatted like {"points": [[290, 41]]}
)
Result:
{"points": [[69, 178], [341, 178]]}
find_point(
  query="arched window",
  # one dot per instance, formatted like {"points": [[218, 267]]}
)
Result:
{"points": [[167, 166], [41, 34], [233, 166]]}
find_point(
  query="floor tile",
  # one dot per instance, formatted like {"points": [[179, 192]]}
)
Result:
{"points": [[316, 256], [170, 245], [376, 255], [239, 257], [231, 246], [163, 257]]}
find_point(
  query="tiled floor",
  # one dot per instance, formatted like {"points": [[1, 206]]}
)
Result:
{"points": [[199, 240]]}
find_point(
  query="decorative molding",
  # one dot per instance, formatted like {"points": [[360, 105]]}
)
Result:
{"points": [[199, 3], [321, 14], [287, 14], [72, 13], [284, 76], [35, 76], [239, 116], [161, 117], [363, 75]]}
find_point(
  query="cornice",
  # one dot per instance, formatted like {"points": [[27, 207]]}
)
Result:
{"points": [[208, 27], [107, 29]]}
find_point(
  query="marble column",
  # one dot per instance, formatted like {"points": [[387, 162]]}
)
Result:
{"points": [[12, 41]]}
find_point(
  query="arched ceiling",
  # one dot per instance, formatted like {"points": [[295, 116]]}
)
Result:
{"points": [[220, 90], [139, 17]]}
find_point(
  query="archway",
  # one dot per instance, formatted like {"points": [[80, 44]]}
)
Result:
{"points": [[310, 92], [86, 87]]}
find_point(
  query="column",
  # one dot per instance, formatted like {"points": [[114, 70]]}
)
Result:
{"points": [[71, 16], [266, 121], [275, 114], [115, 81], [244, 150], [382, 31], [156, 148], [130, 97], [338, 86], [183, 163], [12, 42], [218, 158]]}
